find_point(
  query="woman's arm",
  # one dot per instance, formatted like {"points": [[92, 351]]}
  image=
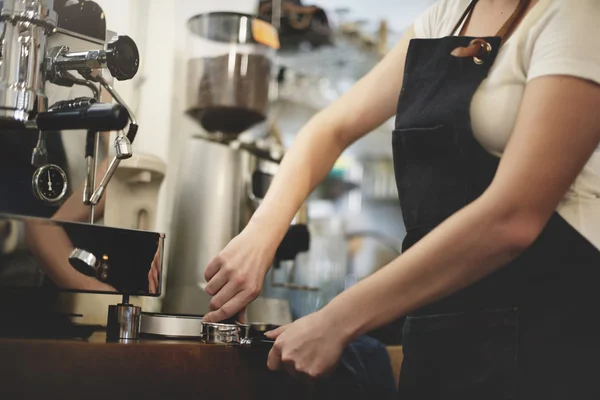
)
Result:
{"points": [[235, 276], [368, 104], [557, 130]]}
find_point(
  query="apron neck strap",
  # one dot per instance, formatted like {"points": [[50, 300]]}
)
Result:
{"points": [[508, 26], [464, 17]]}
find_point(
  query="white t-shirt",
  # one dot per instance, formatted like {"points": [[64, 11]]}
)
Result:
{"points": [[556, 37]]}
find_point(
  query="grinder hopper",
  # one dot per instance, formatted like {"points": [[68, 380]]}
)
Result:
{"points": [[229, 77]]}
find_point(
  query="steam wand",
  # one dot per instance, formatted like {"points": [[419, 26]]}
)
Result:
{"points": [[122, 143], [91, 150]]}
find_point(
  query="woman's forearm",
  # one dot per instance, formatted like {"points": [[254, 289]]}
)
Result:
{"points": [[465, 248], [367, 105], [304, 166]]}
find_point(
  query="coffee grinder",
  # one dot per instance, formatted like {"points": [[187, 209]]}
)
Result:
{"points": [[226, 170]]}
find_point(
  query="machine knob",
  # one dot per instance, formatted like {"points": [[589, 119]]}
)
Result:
{"points": [[83, 261], [122, 58]]}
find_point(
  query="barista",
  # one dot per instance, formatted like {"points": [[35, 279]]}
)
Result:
{"points": [[496, 161]]}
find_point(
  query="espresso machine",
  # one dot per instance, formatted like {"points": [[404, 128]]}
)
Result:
{"points": [[227, 166], [57, 105]]}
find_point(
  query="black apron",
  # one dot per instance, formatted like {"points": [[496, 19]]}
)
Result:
{"points": [[529, 330]]}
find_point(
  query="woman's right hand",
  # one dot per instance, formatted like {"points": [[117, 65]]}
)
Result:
{"points": [[235, 276]]}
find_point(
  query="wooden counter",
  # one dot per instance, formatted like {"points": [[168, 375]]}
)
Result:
{"points": [[146, 369], [94, 369]]}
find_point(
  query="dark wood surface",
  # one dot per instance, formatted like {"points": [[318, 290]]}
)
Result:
{"points": [[146, 369]]}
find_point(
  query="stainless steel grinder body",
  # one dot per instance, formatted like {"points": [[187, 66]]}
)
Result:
{"points": [[211, 208]]}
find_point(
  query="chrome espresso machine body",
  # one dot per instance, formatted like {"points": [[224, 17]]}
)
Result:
{"points": [[50, 240]]}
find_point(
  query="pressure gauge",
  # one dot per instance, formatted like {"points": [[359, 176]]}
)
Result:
{"points": [[50, 184]]}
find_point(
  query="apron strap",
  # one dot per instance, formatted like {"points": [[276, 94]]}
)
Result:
{"points": [[464, 17], [508, 26], [512, 22]]}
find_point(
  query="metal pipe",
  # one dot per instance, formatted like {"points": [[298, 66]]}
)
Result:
{"points": [[94, 59], [92, 177], [88, 187], [117, 97], [91, 157], [122, 143], [99, 192], [83, 82]]}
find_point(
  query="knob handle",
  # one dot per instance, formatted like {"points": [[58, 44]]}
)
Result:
{"points": [[83, 261], [122, 58]]}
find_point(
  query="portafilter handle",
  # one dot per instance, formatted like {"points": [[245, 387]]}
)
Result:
{"points": [[250, 338]]}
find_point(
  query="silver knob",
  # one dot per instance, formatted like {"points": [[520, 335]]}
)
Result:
{"points": [[123, 147]]}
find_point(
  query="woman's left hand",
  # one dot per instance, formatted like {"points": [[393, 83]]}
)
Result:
{"points": [[310, 347]]}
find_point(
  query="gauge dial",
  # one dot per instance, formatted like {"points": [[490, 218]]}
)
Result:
{"points": [[50, 183]]}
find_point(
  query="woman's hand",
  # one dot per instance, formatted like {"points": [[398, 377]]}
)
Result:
{"points": [[235, 276], [310, 347]]}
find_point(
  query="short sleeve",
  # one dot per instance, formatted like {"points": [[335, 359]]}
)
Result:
{"points": [[568, 43], [427, 24], [439, 18]]}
